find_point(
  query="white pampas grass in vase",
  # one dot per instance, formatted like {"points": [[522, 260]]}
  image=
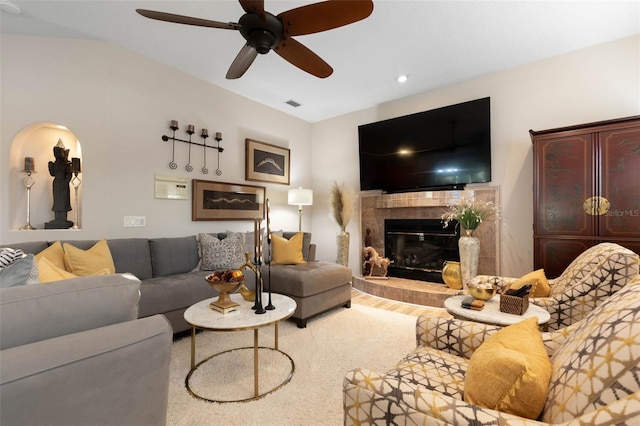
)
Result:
{"points": [[341, 207]]}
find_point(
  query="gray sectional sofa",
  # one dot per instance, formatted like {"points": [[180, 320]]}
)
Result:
{"points": [[75, 353], [171, 280]]}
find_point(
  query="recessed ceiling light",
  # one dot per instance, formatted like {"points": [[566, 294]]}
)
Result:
{"points": [[402, 78]]}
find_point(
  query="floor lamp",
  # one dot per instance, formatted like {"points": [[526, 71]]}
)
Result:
{"points": [[300, 197]]}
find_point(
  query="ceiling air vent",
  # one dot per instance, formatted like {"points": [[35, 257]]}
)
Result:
{"points": [[293, 103]]}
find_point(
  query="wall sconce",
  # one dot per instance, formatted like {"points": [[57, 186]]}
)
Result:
{"points": [[300, 197], [29, 167], [204, 134]]}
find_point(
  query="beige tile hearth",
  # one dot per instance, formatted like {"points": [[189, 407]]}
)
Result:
{"points": [[405, 290]]}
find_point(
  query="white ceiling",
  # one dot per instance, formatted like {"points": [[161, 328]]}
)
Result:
{"points": [[438, 43]]}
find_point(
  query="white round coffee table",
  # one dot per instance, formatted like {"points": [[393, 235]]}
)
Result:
{"points": [[201, 316], [491, 314]]}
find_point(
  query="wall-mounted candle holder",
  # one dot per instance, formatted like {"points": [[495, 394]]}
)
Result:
{"points": [[204, 134], [75, 182], [29, 167]]}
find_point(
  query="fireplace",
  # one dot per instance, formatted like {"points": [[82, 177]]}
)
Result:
{"points": [[419, 247]]}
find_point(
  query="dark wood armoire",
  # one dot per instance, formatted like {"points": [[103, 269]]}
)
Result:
{"points": [[586, 190]]}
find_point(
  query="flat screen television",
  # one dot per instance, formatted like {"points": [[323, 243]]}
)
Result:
{"points": [[439, 149]]}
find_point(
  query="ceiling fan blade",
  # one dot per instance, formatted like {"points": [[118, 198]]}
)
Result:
{"points": [[302, 57], [324, 16], [242, 62], [254, 6], [187, 20]]}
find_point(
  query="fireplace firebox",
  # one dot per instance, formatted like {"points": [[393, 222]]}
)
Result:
{"points": [[419, 247]]}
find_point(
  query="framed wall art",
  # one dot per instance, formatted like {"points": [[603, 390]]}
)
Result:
{"points": [[226, 201], [266, 162]]}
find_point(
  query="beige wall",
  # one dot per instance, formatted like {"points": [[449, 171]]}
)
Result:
{"points": [[599, 83], [118, 104]]}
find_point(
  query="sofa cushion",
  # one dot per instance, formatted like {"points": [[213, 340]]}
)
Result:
{"points": [[306, 279], [33, 247], [171, 256], [598, 362], [510, 371], [220, 254], [132, 255], [170, 293], [88, 262], [287, 251], [36, 312]]}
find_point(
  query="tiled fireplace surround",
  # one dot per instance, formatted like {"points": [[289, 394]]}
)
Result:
{"points": [[374, 209]]}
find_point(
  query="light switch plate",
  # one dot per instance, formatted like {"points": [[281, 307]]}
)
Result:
{"points": [[135, 221]]}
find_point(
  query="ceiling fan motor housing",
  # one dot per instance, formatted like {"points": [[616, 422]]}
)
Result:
{"points": [[262, 35]]}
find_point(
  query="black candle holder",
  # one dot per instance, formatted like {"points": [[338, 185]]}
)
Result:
{"points": [[204, 134]]}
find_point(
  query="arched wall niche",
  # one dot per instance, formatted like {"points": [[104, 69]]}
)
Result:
{"points": [[37, 141]]}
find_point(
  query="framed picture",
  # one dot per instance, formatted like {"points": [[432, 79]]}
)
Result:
{"points": [[266, 162], [226, 201]]}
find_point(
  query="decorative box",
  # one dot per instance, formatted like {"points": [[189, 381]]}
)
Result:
{"points": [[514, 304]]}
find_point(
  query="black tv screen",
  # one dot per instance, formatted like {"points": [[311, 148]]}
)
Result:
{"points": [[444, 148]]}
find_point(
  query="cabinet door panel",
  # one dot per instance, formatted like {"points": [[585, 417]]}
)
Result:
{"points": [[554, 255], [621, 182], [565, 181]]}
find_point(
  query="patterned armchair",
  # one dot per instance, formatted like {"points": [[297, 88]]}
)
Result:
{"points": [[595, 374], [597, 273]]}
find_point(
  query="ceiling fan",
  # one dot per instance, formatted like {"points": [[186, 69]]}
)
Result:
{"points": [[264, 31]]}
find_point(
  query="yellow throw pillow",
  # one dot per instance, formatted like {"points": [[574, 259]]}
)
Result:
{"points": [[287, 252], [510, 371], [49, 272], [539, 284], [54, 253], [88, 262]]}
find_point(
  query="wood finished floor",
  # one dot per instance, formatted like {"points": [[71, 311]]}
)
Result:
{"points": [[365, 299]]}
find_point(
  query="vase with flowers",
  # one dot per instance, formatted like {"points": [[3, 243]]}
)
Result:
{"points": [[470, 214], [341, 210]]}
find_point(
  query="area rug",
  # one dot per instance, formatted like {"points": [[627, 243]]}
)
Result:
{"points": [[331, 345]]}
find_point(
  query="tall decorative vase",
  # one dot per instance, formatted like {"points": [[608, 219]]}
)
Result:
{"points": [[342, 240], [469, 253]]}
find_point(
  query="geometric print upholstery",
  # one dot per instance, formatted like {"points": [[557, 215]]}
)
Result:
{"points": [[599, 364], [595, 373], [595, 274]]}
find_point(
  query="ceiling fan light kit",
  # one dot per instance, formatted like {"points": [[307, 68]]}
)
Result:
{"points": [[264, 31]]}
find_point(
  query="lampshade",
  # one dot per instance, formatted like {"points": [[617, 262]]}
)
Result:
{"points": [[300, 197]]}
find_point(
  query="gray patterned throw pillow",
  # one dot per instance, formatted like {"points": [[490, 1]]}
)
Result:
{"points": [[220, 254]]}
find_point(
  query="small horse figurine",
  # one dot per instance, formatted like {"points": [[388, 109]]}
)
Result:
{"points": [[374, 259]]}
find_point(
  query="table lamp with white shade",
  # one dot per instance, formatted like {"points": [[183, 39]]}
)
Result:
{"points": [[300, 197]]}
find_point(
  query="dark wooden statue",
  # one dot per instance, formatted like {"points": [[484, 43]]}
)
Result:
{"points": [[60, 169]]}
